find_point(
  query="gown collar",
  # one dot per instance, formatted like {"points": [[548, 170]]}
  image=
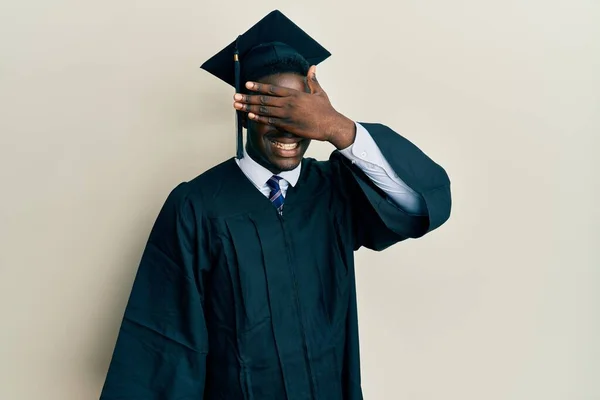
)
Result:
{"points": [[259, 175]]}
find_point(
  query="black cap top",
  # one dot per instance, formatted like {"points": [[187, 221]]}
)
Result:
{"points": [[274, 39], [273, 45]]}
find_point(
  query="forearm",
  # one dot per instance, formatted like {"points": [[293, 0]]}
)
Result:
{"points": [[365, 154]]}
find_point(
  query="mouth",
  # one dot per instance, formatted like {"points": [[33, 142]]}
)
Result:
{"points": [[285, 146]]}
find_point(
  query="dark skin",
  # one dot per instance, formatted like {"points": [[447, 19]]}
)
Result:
{"points": [[284, 113]]}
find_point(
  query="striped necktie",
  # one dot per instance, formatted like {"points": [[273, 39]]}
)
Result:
{"points": [[276, 196]]}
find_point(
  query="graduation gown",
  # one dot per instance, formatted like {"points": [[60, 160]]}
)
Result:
{"points": [[233, 301]]}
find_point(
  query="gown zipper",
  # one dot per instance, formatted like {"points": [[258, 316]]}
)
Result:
{"points": [[297, 298]]}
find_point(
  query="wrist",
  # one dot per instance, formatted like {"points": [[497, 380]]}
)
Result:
{"points": [[343, 133]]}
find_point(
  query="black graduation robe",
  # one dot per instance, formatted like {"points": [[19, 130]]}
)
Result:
{"points": [[232, 301]]}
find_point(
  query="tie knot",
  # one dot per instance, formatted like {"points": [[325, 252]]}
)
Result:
{"points": [[273, 182]]}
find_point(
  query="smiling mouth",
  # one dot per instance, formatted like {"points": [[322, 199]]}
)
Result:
{"points": [[285, 146]]}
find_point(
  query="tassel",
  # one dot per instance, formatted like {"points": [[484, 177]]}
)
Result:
{"points": [[239, 137]]}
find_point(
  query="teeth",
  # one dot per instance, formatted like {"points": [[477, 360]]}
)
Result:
{"points": [[284, 146]]}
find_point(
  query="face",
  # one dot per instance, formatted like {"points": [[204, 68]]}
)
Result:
{"points": [[272, 148]]}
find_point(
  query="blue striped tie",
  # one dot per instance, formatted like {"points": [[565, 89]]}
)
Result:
{"points": [[276, 196]]}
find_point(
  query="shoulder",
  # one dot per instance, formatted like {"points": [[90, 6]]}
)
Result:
{"points": [[199, 190], [323, 175], [315, 167], [213, 175]]}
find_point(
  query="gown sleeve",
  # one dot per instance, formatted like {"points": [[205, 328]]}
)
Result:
{"points": [[376, 221], [162, 343]]}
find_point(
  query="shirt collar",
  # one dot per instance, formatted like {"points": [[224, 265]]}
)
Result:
{"points": [[259, 175]]}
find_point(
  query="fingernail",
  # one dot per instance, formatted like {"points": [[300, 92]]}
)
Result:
{"points": [[249, 85], [237, 105], [251, 115], [238, 97]]}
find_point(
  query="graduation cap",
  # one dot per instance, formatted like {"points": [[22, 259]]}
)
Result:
{"points": [[273, 45]]}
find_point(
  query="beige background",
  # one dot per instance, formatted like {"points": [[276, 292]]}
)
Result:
{"points": [[103, 110]]}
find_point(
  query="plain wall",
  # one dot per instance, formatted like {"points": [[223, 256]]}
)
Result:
{"points": [[103, 110]]}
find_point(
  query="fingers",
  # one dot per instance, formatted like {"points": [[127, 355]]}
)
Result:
{"points": [[260, 109], [261, 104], [273, 121], [259, 99], [269, 89]]}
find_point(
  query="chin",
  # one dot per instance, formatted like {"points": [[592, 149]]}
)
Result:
{"points": [[286, 165]]}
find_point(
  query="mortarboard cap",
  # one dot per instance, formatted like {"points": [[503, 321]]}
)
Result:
{"points": [[273, 45]]}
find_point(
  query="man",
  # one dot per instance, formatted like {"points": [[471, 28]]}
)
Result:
{"points": [[246, 289]]}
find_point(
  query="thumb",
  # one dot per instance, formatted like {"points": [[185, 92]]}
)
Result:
{"points": [[311, 79]]}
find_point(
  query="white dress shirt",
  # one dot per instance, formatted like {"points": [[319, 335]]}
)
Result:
{"points": [[365, 154]]}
